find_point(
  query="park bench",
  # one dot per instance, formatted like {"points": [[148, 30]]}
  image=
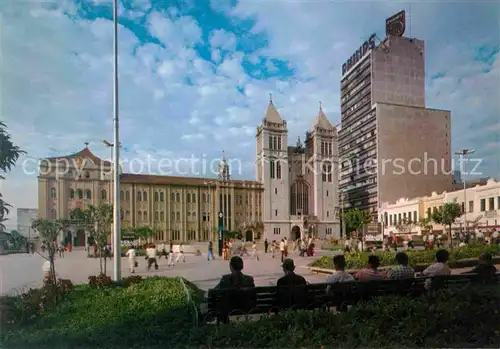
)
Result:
{"points": [[224, 303]]}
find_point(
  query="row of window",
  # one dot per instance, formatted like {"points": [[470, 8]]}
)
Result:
{"points": [[327, 148], [275, 142], [159, 196], [277, 231]]}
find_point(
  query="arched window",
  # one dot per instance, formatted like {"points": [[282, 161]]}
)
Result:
{"points": [[278, 169], [172, 197], [299, 198], [87, 175], [188, 197], [139, 216], [162, 216], [156, 196], [53, 193], [88, 194], [156, 216], [178, 197], [104, 195], [53, 214], [121, 214], [121, 195], [127, 195], [139, 196], [204, 197], [144, 196], [145, 216], [178, 216], [127, 215], [71, 194], [162, 198], [193, 197], [79, 193]]}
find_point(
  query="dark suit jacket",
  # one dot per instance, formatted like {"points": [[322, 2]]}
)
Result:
{"points": [[229, 281]]}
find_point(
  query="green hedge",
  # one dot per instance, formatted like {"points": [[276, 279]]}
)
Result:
{"points": [[359, 260], [156, 314]]}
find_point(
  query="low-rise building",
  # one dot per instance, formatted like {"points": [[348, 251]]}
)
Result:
{"points": [[482, 205]]}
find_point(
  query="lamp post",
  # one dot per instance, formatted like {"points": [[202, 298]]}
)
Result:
{"points": [[210, 211], [342, 212], [116, 148], [463, 153]]}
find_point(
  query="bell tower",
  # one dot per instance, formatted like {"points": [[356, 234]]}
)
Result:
{"points": [[272, 171]]}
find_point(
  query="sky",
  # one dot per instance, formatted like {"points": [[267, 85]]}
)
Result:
{"points": [[195, 76]]}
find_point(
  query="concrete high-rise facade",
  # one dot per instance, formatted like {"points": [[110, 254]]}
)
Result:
{"points": [[300, 182], [390, 144]]}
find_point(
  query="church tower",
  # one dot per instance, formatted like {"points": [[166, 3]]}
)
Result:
{"points": [[322, 146], [272, 172]]}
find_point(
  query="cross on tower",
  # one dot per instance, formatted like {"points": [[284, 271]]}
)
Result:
{"points": [[320, 105], [271, 97]]}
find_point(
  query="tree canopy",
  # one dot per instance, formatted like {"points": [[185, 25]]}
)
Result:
{"points": [[355, 220]]}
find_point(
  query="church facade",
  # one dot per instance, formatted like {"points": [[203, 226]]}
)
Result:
{"points": [[300, 182]]}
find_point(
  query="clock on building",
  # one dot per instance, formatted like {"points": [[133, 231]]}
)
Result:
{"points": [[396, 25]]}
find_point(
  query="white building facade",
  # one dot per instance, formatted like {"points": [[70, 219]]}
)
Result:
{"points": [[482, 205], [25, 217], [300, 182]]}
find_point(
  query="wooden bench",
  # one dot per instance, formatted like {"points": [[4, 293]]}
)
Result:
{"points": [[224, 303]]}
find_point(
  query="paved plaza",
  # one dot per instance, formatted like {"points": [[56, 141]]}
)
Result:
{"points": [[21, 271]]}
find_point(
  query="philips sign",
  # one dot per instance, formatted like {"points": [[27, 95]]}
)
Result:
{"points": [[360, 53]]}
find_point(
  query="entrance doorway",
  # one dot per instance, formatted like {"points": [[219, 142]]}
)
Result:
{"points": [[249, 235], [295, 234], [80, 238]]}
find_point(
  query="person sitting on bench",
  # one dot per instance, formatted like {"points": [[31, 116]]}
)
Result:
{"points": [[236, 279], [371, 271], [291, 290], [485, 270]]}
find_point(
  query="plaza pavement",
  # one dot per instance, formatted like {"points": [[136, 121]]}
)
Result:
{"points": [[21, 271]]}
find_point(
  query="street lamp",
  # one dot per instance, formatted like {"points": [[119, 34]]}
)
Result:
{"points": [[116, 148], [463, 153]]}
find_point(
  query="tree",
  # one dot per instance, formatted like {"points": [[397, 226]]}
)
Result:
{"points": [[144, 233], [16, 240], [49, 231], [355, 220], [9, 153], [425, 224], [99, 220], [446, 216]]}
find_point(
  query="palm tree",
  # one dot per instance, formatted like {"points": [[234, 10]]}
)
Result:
{"points": [[9, 154]]}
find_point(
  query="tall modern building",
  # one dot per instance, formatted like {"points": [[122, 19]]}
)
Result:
{"points": [[390, 144], [300, 182]]}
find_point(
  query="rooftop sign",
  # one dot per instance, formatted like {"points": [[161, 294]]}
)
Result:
{"points": [[360, 53]]}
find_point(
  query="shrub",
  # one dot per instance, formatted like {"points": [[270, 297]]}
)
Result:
{"points": [[100, 281], [131, 280], [33, 303], [358, 260]]}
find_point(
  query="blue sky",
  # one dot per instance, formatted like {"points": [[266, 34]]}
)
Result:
{"points": [[195, 76]]}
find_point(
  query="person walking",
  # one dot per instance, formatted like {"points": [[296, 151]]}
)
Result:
{"points": [[180, 254], [266, 245], [131, 253], [255, 255], [210, 251], [282, 250], [151, 256]]}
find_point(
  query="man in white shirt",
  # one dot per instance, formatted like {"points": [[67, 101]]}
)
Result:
{"points": [[339, 275], [131, 259], [151, 255], [438, 268], [282, 250]]}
